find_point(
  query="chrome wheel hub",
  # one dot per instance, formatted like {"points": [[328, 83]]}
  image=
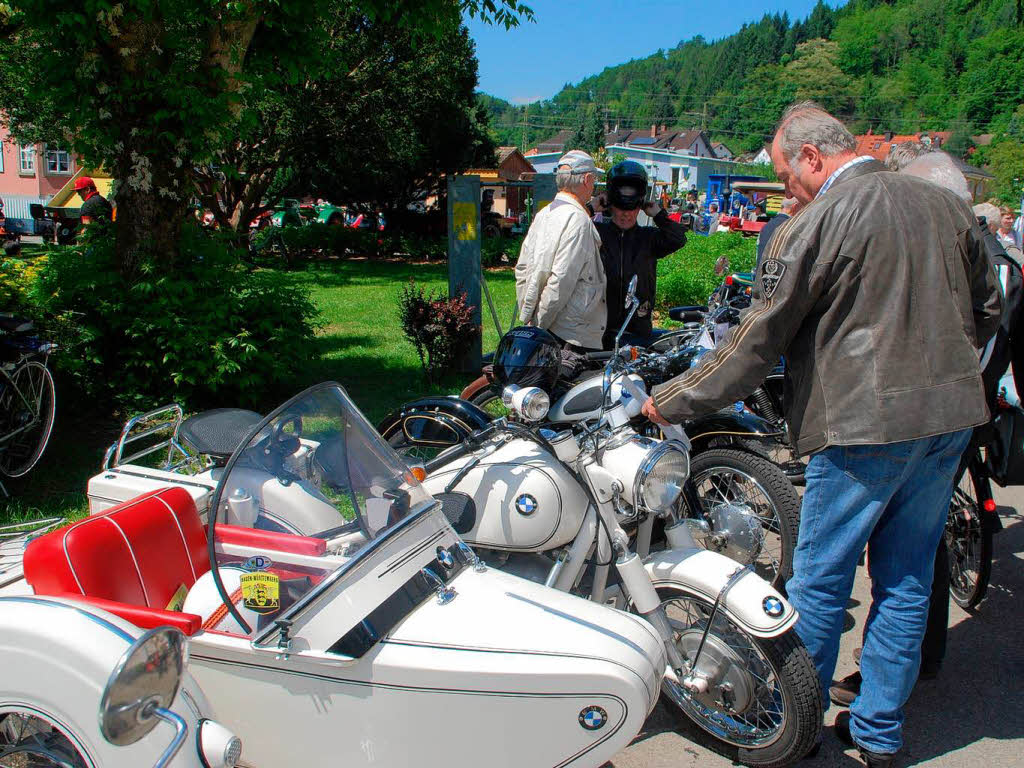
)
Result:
{"points": [[736, 532], [720, 671]]}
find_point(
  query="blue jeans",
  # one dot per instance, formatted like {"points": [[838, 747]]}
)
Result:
{"points": [[892, 499]]}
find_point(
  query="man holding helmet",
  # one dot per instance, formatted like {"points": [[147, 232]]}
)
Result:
{"points": [[628, 249]]}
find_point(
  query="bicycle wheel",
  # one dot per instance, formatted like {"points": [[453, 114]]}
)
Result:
{"points": [[969, 539], [27, 407]]}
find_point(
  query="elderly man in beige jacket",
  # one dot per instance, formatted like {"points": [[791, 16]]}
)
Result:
{"points": [[560, 281]]}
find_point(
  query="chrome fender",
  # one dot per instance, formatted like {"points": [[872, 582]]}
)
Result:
{"points": [[705, 574], [56, 656]]}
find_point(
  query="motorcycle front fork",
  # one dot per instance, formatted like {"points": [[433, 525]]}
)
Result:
{"points": [[636, 583]]}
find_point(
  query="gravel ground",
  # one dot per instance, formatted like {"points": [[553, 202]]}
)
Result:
{"points": [[971, 715]]}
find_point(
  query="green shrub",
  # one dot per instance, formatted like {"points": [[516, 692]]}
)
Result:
{"points": [[688, 275], [500, 251], [17, 279], [292, 244], [210, 332]]}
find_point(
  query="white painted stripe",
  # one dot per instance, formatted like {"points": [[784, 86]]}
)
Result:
{"points": [[67, 556], [131, 551], [184, 543]]}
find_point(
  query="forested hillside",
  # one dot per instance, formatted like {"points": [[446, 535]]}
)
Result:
{"points": [[899, 65]]}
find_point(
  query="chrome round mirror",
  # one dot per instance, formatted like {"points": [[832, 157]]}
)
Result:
{"points": [[145, 679], [722, 265]]}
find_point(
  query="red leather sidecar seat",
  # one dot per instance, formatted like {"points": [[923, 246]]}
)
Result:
{"points": [[131, 560]]}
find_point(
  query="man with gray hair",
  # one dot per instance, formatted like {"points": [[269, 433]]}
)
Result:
{"points": [[878, 293], [560, 279]]}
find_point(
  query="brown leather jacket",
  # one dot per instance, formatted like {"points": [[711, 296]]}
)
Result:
{"points": [[879, 294]]}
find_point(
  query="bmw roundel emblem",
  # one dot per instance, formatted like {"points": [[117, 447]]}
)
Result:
{"points": [[773, 606], [526, 505], [444, 557], [593, 718]]}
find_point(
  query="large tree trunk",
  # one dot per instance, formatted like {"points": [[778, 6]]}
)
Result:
{"points": [[152, 203]]}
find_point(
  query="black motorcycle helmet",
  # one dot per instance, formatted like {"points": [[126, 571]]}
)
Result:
{"points": [[627, 185], [527, 357]]}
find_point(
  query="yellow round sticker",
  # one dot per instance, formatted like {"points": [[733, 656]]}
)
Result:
{"points": [[261, 591]]}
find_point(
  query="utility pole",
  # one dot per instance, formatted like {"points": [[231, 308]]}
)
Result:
{"points": [[526, 115], [704, 117]]}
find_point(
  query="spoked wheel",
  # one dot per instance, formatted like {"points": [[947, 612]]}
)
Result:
{"points": [[30, 741], [762, 697], [489, 400], [27, 407], [409, 448], [969, 540], [750, 511]]}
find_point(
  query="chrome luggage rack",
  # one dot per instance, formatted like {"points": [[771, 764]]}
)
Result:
{"points": [[14, 538], [163, 422]]}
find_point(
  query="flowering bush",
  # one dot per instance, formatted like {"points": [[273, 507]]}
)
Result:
{"points": [[441, 328]]}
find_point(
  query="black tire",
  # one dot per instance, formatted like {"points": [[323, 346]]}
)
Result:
{"points": [[27, 403], [789, 678], [725, 476], [780, 453], [489, 399], [26, 739], [968, 535]]}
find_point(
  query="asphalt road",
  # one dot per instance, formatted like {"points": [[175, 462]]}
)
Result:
{"points": [[971, 715]]}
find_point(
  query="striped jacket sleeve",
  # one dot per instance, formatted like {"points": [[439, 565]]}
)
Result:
{"points": [[786, 289]]}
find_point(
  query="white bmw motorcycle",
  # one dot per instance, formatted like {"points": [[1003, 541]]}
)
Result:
{"points": [[575, 509]]}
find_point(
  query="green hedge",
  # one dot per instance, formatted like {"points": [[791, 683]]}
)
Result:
{"points": [[294, 244], [688, 275], [209, 332]]}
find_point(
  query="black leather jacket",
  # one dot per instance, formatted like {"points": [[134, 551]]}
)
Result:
{"points": [[635, 251], [879, 293]]}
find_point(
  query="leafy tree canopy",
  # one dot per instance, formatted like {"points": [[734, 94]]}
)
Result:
{"points": [[149, 88]]}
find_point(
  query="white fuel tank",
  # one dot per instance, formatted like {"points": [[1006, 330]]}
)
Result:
{"points": [[525, 500]]}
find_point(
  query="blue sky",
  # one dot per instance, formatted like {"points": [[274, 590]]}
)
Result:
{"points": [[572, 39]]}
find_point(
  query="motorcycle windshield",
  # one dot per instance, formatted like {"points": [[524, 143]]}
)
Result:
{"points": [[311, 491]]}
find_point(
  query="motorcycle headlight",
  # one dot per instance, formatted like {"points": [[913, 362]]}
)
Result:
{"points": [[659, 481], [532, 403]]}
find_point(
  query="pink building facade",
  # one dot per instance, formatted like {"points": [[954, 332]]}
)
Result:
{"points": [[32, 173]]}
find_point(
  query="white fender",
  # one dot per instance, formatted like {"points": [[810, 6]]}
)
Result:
{"points": [[750, 601], [55, 659]]}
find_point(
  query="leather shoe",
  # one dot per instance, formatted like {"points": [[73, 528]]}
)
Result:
{"points": [[846, 690], [871, 759]]}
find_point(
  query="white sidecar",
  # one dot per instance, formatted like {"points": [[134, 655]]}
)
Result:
{"points": [[379, 641]]}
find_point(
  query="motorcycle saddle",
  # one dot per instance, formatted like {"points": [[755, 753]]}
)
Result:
{"points": [[219, 432]]}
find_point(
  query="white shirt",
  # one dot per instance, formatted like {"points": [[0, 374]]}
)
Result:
{"points": [[839, 171]]}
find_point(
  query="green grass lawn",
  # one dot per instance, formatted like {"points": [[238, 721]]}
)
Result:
{"points": [[361, 342], [361, 346]]}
